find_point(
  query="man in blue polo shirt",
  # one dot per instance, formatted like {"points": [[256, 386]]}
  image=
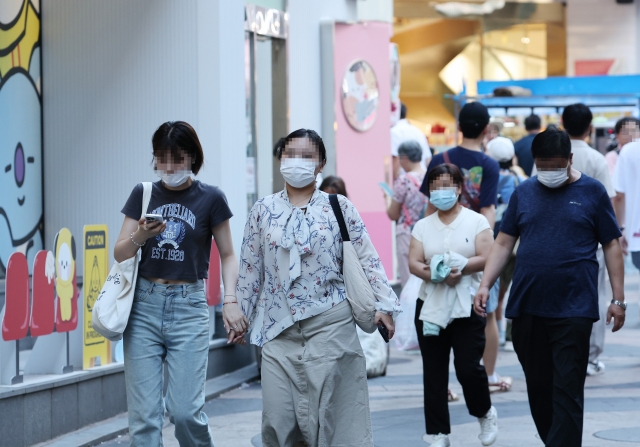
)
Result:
{"points": [[560, 216]]}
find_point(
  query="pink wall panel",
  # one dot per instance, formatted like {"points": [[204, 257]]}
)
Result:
{"points": [[360, 156]]}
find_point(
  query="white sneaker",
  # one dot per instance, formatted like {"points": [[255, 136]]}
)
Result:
{"points": [[595, 368], [489, 427], [440, 440]]}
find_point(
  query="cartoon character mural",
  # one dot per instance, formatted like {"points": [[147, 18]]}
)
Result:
{"points": [[20, 128], [66, 288]]}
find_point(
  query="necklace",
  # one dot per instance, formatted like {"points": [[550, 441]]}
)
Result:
{"points": [[303, 200]]}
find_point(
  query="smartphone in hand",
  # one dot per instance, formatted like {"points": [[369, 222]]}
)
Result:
{"points": [[383, 331], [150, 218]]}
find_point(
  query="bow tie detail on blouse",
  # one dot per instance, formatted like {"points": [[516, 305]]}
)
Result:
{"points": [[296, 237]]}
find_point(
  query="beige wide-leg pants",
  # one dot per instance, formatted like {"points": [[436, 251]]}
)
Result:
{"points": [[314, 384]]}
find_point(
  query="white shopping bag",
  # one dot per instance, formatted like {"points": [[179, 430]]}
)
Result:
{"points": [[406, 338]]}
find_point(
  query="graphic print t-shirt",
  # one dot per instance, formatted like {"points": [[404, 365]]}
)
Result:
{"points": [[481, 175], [182, 250]]}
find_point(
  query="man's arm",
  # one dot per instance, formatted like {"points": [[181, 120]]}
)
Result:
{"points": [[490, 213], [615, 266], [619, 207], [498, 257]]}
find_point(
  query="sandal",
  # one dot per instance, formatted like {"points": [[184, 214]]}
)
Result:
{"points": [[502, 385], [452, 397]]}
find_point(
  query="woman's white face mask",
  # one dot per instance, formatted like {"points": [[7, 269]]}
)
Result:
{"points": [[176, 179], [173, 169], [298, 172]]}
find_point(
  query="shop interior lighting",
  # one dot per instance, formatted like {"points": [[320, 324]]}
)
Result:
{"points": [[525, 40]]}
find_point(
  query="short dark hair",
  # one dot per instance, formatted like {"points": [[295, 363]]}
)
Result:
{"points": [[576, 119], [312, 135], [552, 143], [532, 122], [506, 164], [403, 111], [624, 121], [445, 168], [333, 185], [176, 136], [473, 119]]}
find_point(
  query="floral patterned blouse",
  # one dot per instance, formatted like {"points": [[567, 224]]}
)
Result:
{"points": [[291, 263], [406, 191]]}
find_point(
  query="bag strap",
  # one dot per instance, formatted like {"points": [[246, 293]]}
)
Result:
{"points": [[333, 199], [146, 196]]}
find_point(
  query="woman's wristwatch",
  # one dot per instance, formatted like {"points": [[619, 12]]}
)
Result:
{"points": [[620, 303]]}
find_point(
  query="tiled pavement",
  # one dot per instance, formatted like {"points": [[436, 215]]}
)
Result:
{"points": [[612, 401]]}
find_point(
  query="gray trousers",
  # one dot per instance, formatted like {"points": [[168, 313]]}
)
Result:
{"points": [[314, 384], [596, 343]]}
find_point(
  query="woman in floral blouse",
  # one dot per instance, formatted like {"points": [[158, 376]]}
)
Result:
{"points": [[408, 204], [291, 288]]}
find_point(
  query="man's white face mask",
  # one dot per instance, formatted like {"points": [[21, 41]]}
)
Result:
{"points": [[553, 178]]}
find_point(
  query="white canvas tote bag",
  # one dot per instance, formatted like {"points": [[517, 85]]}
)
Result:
{"points": [[113, 305], [359, 292]]}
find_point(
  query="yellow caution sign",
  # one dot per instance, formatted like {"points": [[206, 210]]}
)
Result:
{"points": [[96, 269]]}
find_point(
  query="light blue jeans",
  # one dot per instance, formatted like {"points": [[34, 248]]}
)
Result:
{"points": [[167, 323]]}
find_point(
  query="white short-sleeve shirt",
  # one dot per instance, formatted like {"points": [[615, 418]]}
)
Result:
{"points": [[626, 179], [459, 236]]}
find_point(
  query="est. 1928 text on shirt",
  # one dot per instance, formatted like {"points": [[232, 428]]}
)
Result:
{"points": [[291, 263]]}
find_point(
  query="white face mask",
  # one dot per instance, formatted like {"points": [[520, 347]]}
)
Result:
{"points": [[175, 179], [298, 172], [553, 179]]}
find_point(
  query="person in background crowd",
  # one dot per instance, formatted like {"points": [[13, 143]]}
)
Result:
{"points": [[493, 131], [448, 250], [479, 193], [291, 288], [626, 181], [408, 205], [169, 321], [532, 125], [502, 150], [405, 131], [560, 216], [626, 130], [333, 185], [576, 119]]}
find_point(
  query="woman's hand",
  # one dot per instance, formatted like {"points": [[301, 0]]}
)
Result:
{"points": [[454, 277], [480, 301], [387, 320], [233, 318], [236, 338], [148, 230]]}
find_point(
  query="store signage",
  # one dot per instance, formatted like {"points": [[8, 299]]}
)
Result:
{"points": [[96, 258], [265, 21]]}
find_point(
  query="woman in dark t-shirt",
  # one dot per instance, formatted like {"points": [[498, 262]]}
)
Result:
{"points": [[169, 318]]}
